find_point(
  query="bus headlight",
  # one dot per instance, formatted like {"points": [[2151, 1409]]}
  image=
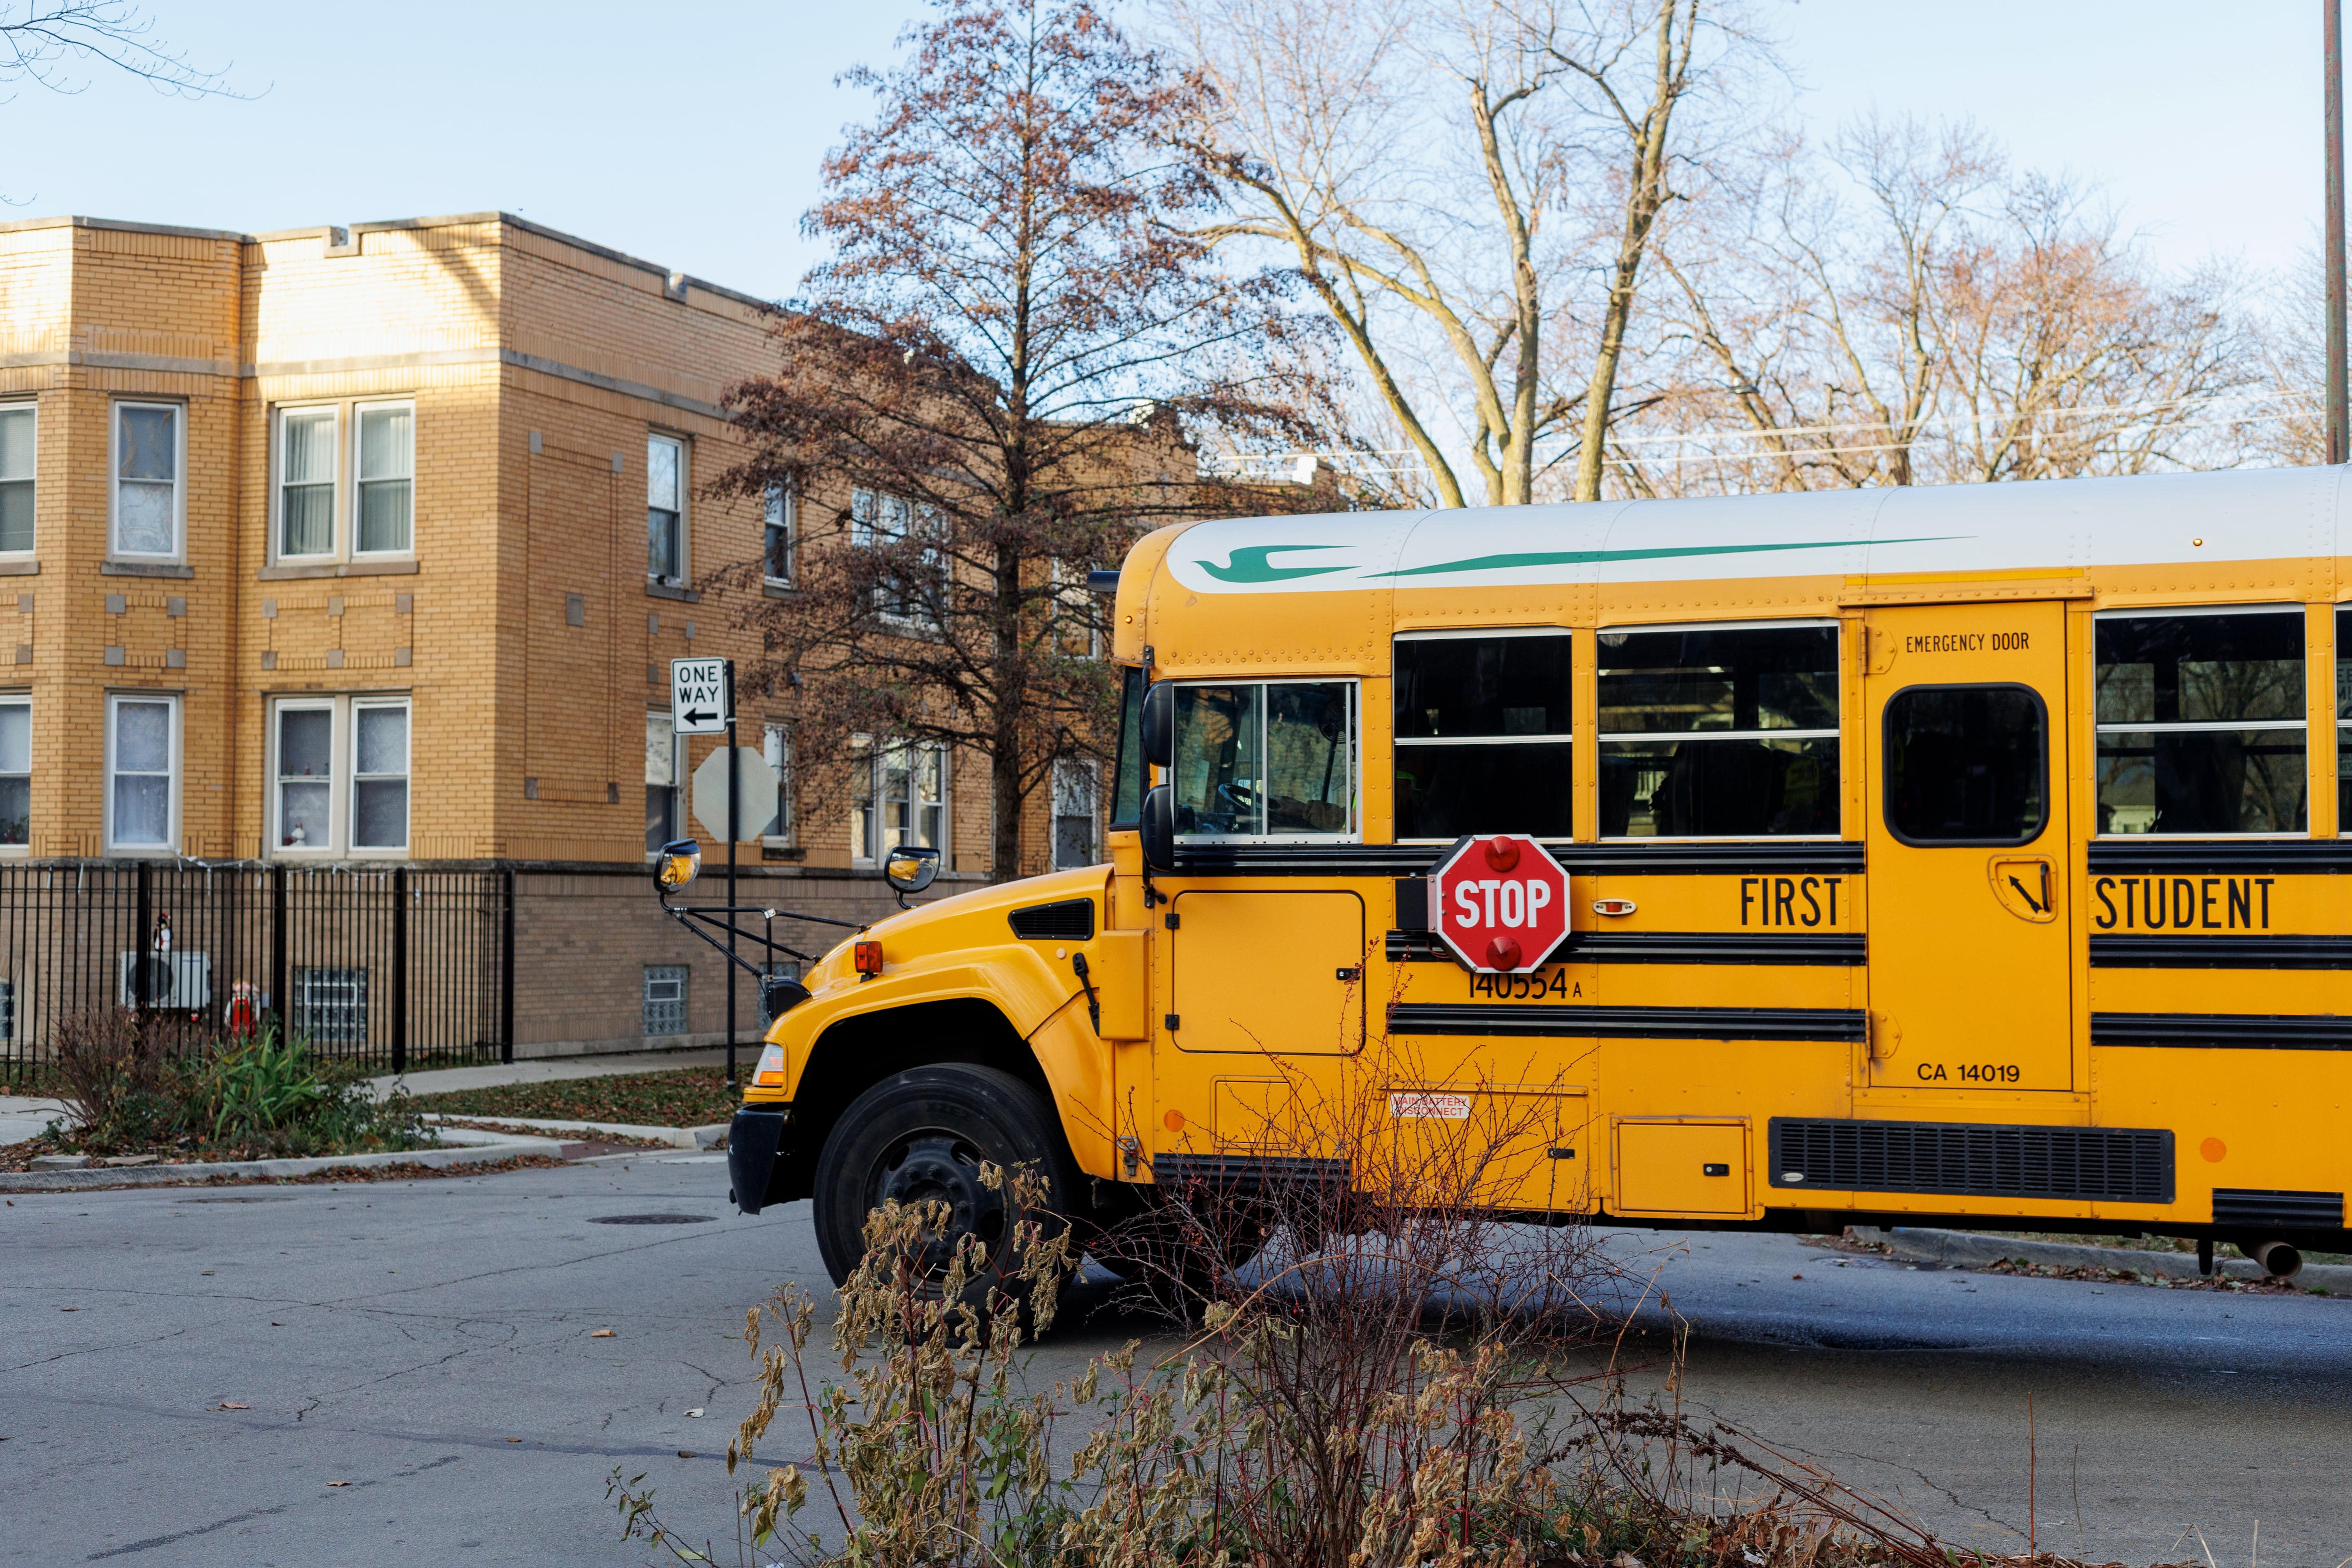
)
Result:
{"points": [[770, 1073]]}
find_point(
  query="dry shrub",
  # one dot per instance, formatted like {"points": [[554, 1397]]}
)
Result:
{"points": [[123, 1073], [1399, 1378], [140, 1081]]}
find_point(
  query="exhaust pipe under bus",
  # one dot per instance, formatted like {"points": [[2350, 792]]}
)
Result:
{"points": [[2279, 1260]]}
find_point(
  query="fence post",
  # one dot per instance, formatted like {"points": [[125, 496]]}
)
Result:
{"points": [[400, 970], [507, 971], [278, 948], [140, 942]]}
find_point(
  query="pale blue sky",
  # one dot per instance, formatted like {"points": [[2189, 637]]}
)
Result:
{"points": [[690, 133]]}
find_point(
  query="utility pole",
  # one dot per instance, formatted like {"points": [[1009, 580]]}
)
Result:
{"points": [[2339, 447], [735, 833]]}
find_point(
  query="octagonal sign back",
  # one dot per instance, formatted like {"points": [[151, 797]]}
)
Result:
{"points": [[1500, 901]]}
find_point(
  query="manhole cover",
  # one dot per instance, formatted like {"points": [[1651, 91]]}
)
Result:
{"points": [[651, 1219]]}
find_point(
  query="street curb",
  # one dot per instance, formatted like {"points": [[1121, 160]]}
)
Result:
{"points": [[1968, 1249], [676, 1137], [176, 1176]]}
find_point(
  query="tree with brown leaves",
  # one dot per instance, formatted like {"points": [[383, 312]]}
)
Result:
{"points": [[997, 382]]}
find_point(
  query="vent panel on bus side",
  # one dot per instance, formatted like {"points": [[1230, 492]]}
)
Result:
{"points": [[2110, 1164], [1071, 919]]}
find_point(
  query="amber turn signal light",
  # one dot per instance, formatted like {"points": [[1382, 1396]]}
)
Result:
{"points": [[867, 956]]}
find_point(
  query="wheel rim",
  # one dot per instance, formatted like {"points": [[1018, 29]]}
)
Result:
{"points": [[936, 1166]]}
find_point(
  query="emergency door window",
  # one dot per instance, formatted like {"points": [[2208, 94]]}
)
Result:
{"points": [[1481, 734], [1265, 759], [1966, 764]]}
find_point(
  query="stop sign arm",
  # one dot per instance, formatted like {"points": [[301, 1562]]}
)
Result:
{"points": [[1499, 903]]}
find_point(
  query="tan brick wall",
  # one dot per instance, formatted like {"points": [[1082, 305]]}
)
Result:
{"points": [[523, 630]]}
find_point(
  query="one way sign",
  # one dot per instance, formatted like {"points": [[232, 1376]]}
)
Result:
{"points": [[697, 696]]}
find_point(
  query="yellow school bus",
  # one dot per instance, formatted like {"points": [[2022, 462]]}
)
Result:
{"points": [[1965, 856]]}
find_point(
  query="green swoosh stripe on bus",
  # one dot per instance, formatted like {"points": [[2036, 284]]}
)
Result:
{"points": [[1251, 566], [1594, 557]]}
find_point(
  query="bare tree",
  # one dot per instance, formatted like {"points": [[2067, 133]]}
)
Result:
{"points": [[1442, 181], [994, 385], [1905, 310], [49, 45]]}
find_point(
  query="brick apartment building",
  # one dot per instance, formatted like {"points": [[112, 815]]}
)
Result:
{"points": [[369, 547]]}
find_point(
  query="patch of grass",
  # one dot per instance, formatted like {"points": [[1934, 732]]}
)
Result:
{"points": [[681, 1097]]}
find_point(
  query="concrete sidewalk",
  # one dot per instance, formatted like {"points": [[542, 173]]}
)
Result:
{"points": [[552, 1070]]}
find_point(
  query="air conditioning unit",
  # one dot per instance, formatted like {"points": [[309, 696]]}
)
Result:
{"points": [[177, 982]]}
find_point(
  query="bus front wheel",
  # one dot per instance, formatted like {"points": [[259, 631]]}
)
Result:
{"points": [[922, 1136]]}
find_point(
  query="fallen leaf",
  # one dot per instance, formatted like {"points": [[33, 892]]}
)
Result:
{"points": [[601, 1335], [514, 1440], [1796, 1277], [231, 1405], [696, 1412], [69, 1309], [686, 1453], [338, 1483]]}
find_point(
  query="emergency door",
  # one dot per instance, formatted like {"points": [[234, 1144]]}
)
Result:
{"points": [[1970, 944]]}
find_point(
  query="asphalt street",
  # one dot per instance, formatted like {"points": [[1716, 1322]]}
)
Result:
{"points": [[431, 1344]]}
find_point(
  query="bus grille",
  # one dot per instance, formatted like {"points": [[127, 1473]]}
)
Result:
{"points": [[2112, 1164]]}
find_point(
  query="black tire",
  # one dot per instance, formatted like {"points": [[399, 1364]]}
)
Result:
{"points": [[921, 1135]]}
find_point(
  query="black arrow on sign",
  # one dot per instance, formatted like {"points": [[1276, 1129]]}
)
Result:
{"points": [[699, 716]]}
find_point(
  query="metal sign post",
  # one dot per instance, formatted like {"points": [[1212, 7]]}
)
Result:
{"points": [[702, 702]]}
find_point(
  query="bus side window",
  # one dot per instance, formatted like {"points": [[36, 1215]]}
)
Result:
{"points": [[1482, 733], [1720, 732]]}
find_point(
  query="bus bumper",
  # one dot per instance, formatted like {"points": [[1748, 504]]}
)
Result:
{"points": [[754, 1139]]}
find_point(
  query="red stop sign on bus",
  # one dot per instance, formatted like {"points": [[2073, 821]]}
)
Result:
{"points": [[1500, 902]]}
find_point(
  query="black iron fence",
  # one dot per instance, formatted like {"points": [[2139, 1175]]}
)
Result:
{"points": [[380, 966]]}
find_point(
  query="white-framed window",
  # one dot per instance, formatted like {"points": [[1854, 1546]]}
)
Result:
{"points": [[150, 449], [338, 775], [879, 521], [661, 781], [777, 747], [306, 482], [898, 794], [379, 774], [1077, 801], [1266, 759], [15, 773], [666, 481], [143, 771], [18, 427], [306, 777], [385, 453], [781, 543]]}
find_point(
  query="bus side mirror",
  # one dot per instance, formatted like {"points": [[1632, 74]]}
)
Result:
{"points": [[1159, 725], [678, 864], [911, 867], [1158, 827]]}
